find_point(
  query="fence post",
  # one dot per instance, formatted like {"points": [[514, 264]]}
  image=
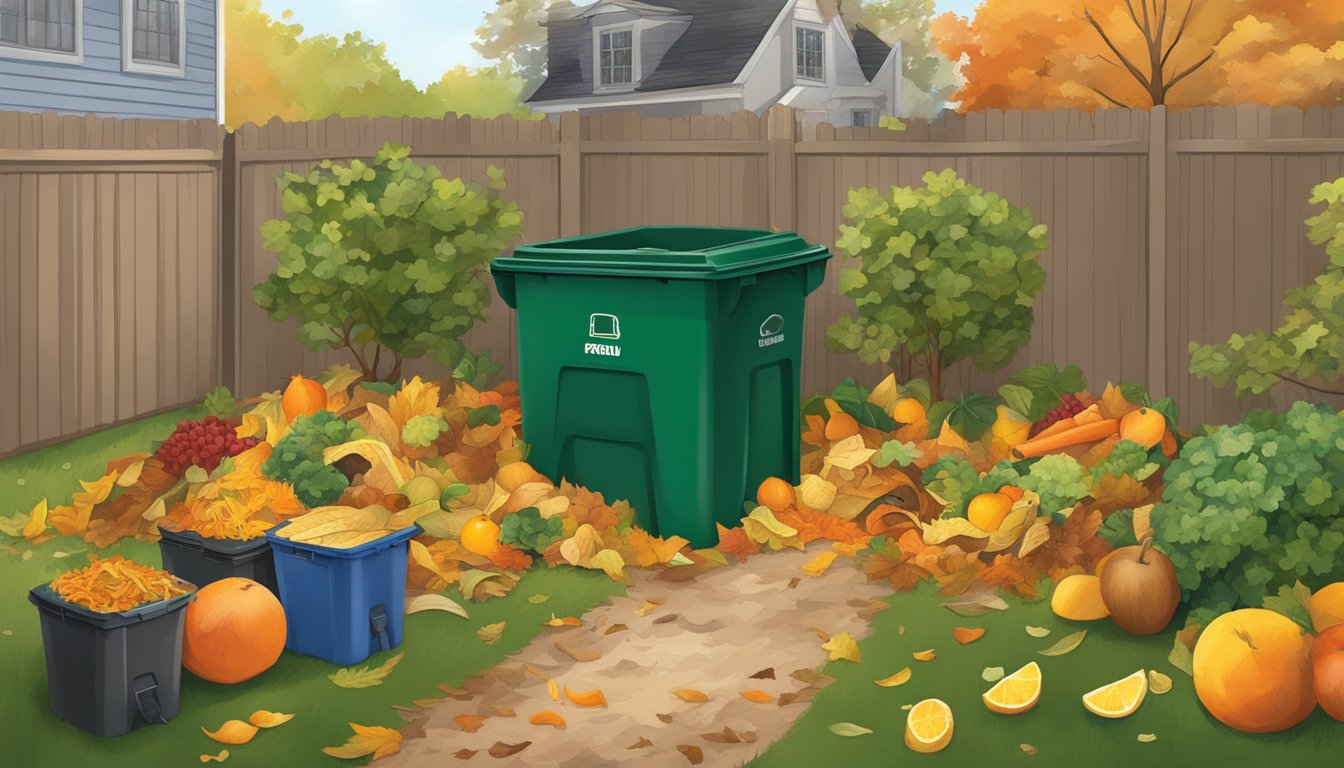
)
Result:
{"points": [[1157, 252], [571, 175], [782, 130], [228, 262]]}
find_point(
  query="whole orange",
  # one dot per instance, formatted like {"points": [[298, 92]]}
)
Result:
{"points": [[1327, 606], [775, 493], [1327, 663], [908, 410], [988, 510], [1144, 426], [1252, 671], [481, 535], [235, 630]]}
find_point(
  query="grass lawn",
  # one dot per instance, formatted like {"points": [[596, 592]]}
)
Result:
{"points": [[1064, 733], [439, 648]]}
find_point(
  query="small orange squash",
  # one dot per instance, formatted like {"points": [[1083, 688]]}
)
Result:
{"points": [[235, 630], [303, 397], [776, 494]]}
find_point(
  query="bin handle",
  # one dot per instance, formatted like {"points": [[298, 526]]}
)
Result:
{"points": [[378, 623], [147, 698]]}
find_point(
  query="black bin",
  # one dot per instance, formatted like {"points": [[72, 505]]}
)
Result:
{"points": [[110, 673], [200, 560]]}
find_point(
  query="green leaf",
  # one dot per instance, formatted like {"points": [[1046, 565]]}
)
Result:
{"points": [[896, 452], [848, 729], [971, 415], [1065, 644], [1295, 603], [854, 400], [1167, 407], [1017, 397], [1134, 393], [1047, 384], [488, 414], [220, 402], [1181, 657], [422, 430], [195, 474], [364, 677], [992, 674]]}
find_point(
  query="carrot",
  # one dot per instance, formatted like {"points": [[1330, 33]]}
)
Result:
{"points": [[1063, 425], [1086, 433]]}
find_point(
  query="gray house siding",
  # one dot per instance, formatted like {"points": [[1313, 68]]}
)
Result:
{"points": [[100, 85]]}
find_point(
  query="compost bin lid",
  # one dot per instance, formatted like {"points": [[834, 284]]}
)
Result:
{"points": [[665, 252]]}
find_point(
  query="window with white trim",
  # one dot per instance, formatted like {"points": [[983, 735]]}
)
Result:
{"points": [[39, 25], [861, 118], [810, 53], [616, 57], [153, 35]]}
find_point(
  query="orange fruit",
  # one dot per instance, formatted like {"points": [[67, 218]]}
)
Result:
{"points": [[235, 630], [1327, 606], [1012, 492], [776, 494], [303, 397], [1015, 693], [510, 476], [1078, 598], [1119, 699], [481, 535], [1253, 672], [1144, 426], [988, 510], [908, 410], [928, 726]]}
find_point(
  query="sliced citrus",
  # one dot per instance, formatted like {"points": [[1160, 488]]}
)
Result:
{"points": [[1118, 699], [1015, 693], [928, 726]]}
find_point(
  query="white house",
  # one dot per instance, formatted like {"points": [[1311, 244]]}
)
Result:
{"points": [[676, 58]]}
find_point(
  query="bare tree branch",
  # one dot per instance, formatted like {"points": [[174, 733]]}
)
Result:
{"points": [[1180, 32], [1312, 387], [1133, 15], [1189, 71], [1108, 97], [1133, 70], [1155, 44]]}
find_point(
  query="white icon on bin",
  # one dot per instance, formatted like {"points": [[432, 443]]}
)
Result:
{"points": [[603, 326], [772, 326]]}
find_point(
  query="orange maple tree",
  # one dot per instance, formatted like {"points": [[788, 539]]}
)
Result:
{"points": [[1085, 54]]}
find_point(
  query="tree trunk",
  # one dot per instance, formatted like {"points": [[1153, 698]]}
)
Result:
{"points": [[935, 358]]}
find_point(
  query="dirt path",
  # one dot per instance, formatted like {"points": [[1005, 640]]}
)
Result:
{"points": [[711, 635]]}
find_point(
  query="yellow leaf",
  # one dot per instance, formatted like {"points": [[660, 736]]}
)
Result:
{"points": [[263, 718], [1112, 404], [925, 655], [491, 633], [843, 646], [900, 678], [849, 453], [368, 740], [567, 621], [364, 677], [648, 607], [885, 394], [96, 493], [547, 717], [578, 550], [337, 379], [553, 688], [763, 527], [1158, 683], [948, 438], [819, 564], [610, 560], [649, 550], [266, 420], [593, 698], [132, 474], [37, 521], [760, 697], [691, 695], [233, 732], [415, 398], [219, 758], [386, 472], [422, 557]]}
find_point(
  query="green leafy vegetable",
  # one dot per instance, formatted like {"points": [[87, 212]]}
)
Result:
{"points": [[1047, 384], [476, 369], [1060, 481], [420, 431], [896, 452], [527, 529], [486, 414], [220, 402], [1118, 529], [297, 458], [1127, 458]]}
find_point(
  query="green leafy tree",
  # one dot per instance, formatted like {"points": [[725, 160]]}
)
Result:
{"points": [[945, 272], [514, 36], [932, 74], [1307, 348], [389, 255]]}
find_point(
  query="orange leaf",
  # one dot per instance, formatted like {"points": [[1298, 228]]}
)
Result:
{"points": [[760, 697], [567, 621], [547, 717], [691, 695], [735, 542], [925, 655], [1112, 404], [965, 635], [593, 698], [469, 723]]}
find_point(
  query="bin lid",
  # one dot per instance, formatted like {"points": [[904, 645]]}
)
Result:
{"points": [[665, 252], [46, 598]]}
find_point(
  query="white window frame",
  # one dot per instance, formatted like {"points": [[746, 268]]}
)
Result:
{"points": [[633, 29], [8, 51], [128, 61], [799, 26], [865, 111]]}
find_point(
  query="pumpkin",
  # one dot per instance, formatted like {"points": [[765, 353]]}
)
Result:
{"points": [[235, 630], [1139, 587], [776, 494], [303, 397]]}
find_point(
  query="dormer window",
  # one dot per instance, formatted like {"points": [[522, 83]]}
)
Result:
{"points": [[810, 53], [616, 57]]}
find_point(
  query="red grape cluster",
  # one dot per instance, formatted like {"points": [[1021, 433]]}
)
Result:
{"points": [[201, 444], [1069, 406]]}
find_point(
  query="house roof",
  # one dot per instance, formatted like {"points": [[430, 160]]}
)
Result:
{"points": [[873, 52]]}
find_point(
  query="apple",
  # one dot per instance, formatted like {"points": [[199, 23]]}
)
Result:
{"points": [[1327, 664]]}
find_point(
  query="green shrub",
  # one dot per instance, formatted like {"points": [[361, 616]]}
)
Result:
{"points": [[526, 529], [297, 457]]}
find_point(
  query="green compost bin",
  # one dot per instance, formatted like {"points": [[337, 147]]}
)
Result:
{"points": [[660, 365]]}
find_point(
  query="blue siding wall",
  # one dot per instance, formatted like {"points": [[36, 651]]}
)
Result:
{"points": [[99, 85]]}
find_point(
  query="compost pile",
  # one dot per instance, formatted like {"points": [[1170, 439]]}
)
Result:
{"points": [[113, 584]]}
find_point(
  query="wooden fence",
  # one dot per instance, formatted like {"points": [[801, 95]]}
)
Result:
{"points": [[130, 248]]}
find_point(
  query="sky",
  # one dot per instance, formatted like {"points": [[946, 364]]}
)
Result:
{"points": [[424, 37]]}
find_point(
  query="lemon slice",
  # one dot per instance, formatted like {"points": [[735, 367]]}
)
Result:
{"points": [[1118, 699], [928, 726], [1015, 693]]}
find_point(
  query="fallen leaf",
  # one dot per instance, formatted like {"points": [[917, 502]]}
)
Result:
{"points": [[794, 582], [610, 561], [648, 607], [812, 677], [819, 564], [848, 729], [765, 674], [469, 723], [1065, 644], [538, 599], [1027, 748], [726, 736], [668, 619], [1037, 631], [490, 633], [760, 697], [364, 677], [795, 697], [666, 717], [221, 757], [1147, 738], [907, 707], [1182, 649], [848, 453], [504, 711], [690, 695], [641, 744], [567, 621], [693, 753], [764, 528], [593, 698], [900, 678], [822, 634], [547, 717], [233, 732], [37, 521], [614, 628], [900, 629], [1158, 683], [263, 718], [461, 694], [465, 754], [578, 652], [966, 636], [843, 646], [553, 688], [433, 602], [992, 674], [925, 655], [977, 603], [501, 750]]}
